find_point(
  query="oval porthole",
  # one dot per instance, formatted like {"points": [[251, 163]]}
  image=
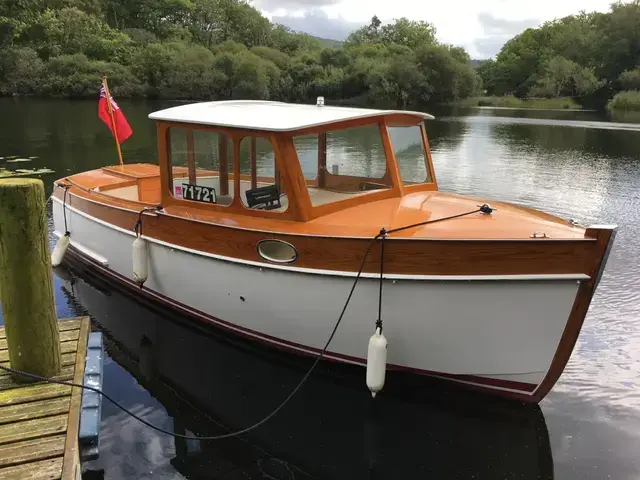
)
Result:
{"points": [[277, 251]]}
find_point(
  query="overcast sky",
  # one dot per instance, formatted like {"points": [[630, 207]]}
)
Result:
{"points": [[481, 27]]}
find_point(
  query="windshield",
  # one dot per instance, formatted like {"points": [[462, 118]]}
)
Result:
{"points": [[343, 163]]}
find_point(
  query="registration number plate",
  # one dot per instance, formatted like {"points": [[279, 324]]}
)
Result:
{"points": [[198, 193]]}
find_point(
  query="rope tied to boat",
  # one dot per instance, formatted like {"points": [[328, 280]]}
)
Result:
{"points": [[66, 188], [138, 226], [382, 235]]}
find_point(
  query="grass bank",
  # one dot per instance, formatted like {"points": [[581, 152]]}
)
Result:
{"points": [[626, 100], [513, 102]]}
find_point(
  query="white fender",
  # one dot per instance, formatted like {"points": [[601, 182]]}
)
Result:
{"points": [[376, 362], [59, 250], [140, 261]]}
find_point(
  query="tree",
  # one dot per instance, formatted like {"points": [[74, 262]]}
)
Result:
{"points": [[600, 47], [69, 31], [218, 49], [216, 21], [630, 79], [402, 31], [565, 78]]}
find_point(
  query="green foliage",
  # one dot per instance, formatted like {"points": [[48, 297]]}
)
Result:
{"points": [[509, 101], [402, 32], [626, 100], [574, 56], [77, 76], [20, 71], [563, 77], [69, 31], [630, 80], [219, 49]]}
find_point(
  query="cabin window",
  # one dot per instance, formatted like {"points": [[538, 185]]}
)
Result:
{"points": [[201, 166], [410, 154], [260, 183], [343, 163]]}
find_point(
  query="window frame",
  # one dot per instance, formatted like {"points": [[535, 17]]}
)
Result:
{"points": [[234, 137], [299, 206], [254, 178], [392, 170], [392, 121]]}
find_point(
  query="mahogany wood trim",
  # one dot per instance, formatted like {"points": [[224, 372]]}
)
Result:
{"points": [[356, 122], [402, 120], [164, 161], [224, 167], [365, 197], [322, 159], [427, 151], [299, 201], [393, 170], [402, 256], [288, 165], [254, 167], [191, 157], [604, 237], [115, 186], [350, 184]]}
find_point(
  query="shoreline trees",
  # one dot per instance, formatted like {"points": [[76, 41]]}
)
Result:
{"points": [[219, 49], [589, 57]]}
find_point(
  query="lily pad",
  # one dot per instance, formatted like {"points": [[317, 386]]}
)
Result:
{"points": [[17, 160], [11, 157]]}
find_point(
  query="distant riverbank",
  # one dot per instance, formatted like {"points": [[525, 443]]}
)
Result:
{"points": [[509, 101], [623, 102]]}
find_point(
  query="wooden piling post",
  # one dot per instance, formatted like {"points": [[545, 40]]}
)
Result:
{"points": [[26, 287]]}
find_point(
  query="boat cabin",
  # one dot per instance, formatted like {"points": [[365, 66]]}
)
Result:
{"points": [[272, 159]]}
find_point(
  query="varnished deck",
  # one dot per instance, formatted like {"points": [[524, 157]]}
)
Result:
{"points": [[39, 422]]}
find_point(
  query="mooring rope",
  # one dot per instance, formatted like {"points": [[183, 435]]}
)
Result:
{"points": [[486, 209]]}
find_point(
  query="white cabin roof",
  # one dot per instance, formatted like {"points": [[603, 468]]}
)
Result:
{"points": [[268, 116]]}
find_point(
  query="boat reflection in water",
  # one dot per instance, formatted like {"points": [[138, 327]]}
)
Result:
{"points": [[332, 428]]}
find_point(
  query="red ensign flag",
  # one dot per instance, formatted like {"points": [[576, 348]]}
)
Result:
{"points": [[118, 123]]}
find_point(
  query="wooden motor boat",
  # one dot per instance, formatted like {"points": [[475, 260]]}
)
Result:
{"points": [[259, 217]]}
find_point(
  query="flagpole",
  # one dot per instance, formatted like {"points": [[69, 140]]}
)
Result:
{"points": [[113, 122]]}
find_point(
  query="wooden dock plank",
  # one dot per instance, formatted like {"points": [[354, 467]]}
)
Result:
{"points": [[65, 347], [7, 381], [64, 337], [71, 461], [66, 359], [39, 422], [63, 325], [43, 470], [33, 393], [33, 410], [39, 427], [30, 450]]}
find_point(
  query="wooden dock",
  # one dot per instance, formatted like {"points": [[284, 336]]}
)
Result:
{"points": [[39, 422]]}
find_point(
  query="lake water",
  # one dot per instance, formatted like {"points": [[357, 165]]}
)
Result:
{"points": [[574, 164]]}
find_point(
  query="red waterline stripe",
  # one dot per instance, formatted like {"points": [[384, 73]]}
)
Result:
{"points": [[287, 345]]}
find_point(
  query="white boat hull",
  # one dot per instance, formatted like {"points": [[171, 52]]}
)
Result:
{"points": [[498, 332]]}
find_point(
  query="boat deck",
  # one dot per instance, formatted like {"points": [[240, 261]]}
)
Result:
{"points": [[39, 422], [128, 186]]}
